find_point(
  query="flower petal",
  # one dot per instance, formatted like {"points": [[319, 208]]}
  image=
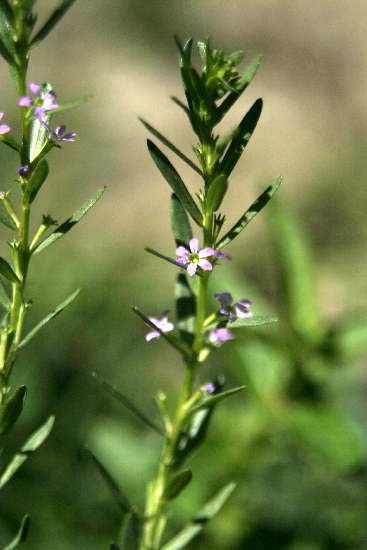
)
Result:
{"points": [[152, 335], [206, 252], [224, 298], [205, 265], [191, 269], [194, 245], [34, 88], [4, 128], [182, 251]]}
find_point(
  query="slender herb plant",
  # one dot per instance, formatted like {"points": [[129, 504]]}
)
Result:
{"points": [[36, 139], [198, 330]]}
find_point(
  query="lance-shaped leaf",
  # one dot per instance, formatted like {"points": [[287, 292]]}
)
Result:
{"points": [[163, 257], [39, 137], [180, 223], [200, 520], [11, 410], [48, 318], [52, 21], [295, 265], [121, 499], [6, 219], [31, 445], [185, 308], [177, 484], [255, 321], [7, 48], [181, 105], [72, 104], [7, 139], [241, 138], [37, 179], [214, 399], [170, 338], [241, 86], [250, 213], [130, 533], [175, 182], [4, 298], [65, 227], [129, 405], [216, 192], [170, 146], [7, 271], [21, 536]]}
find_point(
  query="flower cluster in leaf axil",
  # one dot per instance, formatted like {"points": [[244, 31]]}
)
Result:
{"points": [[4, 128], [42, 102]]}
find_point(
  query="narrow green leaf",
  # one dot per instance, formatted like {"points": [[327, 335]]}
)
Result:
{"points": [[72, 103], [177, 484], [214, 399], [171, 146], [11, 410], [181, 104], [21, 536], [48, 318], [4, 52], [125, 401], [200, 520], [4, 298], [130, 534], [255, 321], [7, 47], [7, 271], [250, 213], [39, 137], [180, 222], [31, 445], [347, 339], [175, 182], [37, 179], [216, 192], [241, 86], [241, 138], [7, 139], [65, 227], [6, 220], [163, 257], [120, 498], [185, 308], [294, 261], [169, 337], [52, 21]]}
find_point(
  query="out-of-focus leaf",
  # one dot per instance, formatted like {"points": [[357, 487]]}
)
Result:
{"points": [[48, 318], [11, 410], [121, 499], [65, 227], [171, 146], [21, 536], [72, 104], [185, 308], [35, 440], [7, 271], [4, 298], [52, 21], [214, 399], [216, 192], [37, 179], [7, 139], [7, 48], [175, 182], [130, 534], [255, 321], [295, 264], [250, 213], [169, 337], [241, 138], [163, 257], [200, 520], [241, 86], [177, 484], [180, 222], [6, 220], [348, 338], [125, 401]]}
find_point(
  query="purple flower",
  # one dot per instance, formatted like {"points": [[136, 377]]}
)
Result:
{"points": [[44, 100], [218, 336], [208, 388], [4, 128], [60, 134], [194, 257], [239, 310], [163, 324], [23, 170]]}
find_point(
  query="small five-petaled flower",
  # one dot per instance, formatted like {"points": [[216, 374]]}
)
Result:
{"points": [[4, 128], [44, 100], [194, 257], [163, 324], [239, 310]]}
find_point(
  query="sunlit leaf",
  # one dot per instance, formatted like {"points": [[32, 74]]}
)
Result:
{"points": [[39, 137], [250, 213], [34, 441], [65, 227], [48, 318]]}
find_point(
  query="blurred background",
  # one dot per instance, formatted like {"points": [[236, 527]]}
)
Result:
{"points": [[294, 440]]}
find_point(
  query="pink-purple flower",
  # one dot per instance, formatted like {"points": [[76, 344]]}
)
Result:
{"points": [[208, 388], [194, 257], [239, 310], [218, 336], [4, 128], [60, 134], [163, 324], [44, 100]]}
